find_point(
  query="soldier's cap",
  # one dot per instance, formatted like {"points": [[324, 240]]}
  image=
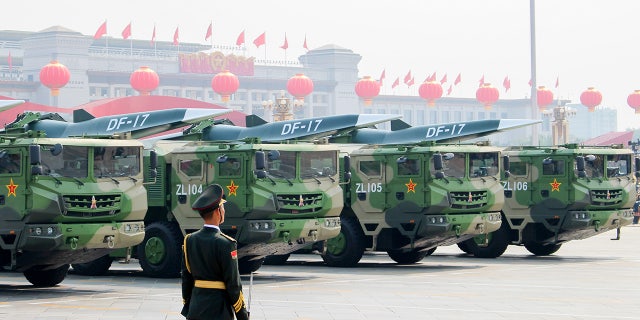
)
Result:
{"points": [[210, 199]]}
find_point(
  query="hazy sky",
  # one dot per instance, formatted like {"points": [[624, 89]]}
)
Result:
{"points": [[583, 42]]}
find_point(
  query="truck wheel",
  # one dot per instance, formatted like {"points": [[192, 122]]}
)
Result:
{"points": [[542, 249], [46, 278], [347, 248], [464, 247], [160, 252], [498, 241], [276, 259], [97, 267], [407, 257], [246, 266]]}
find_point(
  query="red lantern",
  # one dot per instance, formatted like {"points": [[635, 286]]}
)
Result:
{"points": [[54, 76], [634, 101], [144, 80], [225, 84], [299, 86], [367, 89], [487, 95], [544, 97], [430, 91], [591, 98]]}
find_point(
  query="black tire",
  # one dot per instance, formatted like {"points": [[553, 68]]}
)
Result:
{"points": [[160, 254], [97, 267], [246, 266], [464, 247], [542, 249], [407, 257], [498, 243], [347, 248], [46, 278], [277, 259]]}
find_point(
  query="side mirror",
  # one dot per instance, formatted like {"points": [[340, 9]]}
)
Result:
{"points": [[347, 168], [260, 165], [34, 154], [637, 163], [153, 163], [506, 163], [580, 164], [260, 160], [437, 162]]}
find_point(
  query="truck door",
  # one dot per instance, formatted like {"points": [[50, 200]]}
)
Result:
{"points": [[551, 187], [230, 170], [368, 187], [187, 182], [13, 169], [407, 182]]}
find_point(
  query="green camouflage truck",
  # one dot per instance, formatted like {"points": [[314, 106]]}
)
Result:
{"points": [[558, 194], [406, 200], [280, 197], [67, 200]]}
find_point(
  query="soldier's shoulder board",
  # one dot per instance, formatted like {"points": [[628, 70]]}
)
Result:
{"points": [[228, 237]]}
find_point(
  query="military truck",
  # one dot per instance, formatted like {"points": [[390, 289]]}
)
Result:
{"points": [[280, 197], [67, 200], [558, 194], [409, 199]]}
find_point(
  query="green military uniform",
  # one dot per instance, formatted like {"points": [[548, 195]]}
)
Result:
{"points": [[211, 287]]}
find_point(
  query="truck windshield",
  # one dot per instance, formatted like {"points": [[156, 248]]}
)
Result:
{"points": [[454, 167], [618, 165], [483, 164], [284, 166], [72, 162], [116, 161], [594, 166], [318, 164]]}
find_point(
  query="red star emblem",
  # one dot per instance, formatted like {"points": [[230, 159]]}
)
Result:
{"points": [[555, 185], [232, 189], [12, 188], [411, 187]]}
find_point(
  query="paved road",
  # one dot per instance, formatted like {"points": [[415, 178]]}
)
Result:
{"points": [[594, 278]]}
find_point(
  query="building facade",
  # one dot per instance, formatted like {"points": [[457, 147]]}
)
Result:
{"points": [[101, 69]]}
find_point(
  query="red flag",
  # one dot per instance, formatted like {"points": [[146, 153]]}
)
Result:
{"points": [[240, 40], [444, 79], [458, 79], [101, 31], [449, 90], [10, 62], [411, 82], [396, 83], [481, 81], [153, 36], [382, 76], [285, 45], [260, 40], [530, 82], [126, 33], [557, 82], [433, 76], [506, 83], [209, 32], [176, 37], [304, 45], [407, 78]]}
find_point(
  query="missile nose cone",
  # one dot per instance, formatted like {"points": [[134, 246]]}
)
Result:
{"points": [[370, 119], [7, 104], [515, 123], [192, 115]]}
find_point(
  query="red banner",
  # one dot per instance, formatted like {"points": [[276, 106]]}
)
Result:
{"points": [[215, 62]]}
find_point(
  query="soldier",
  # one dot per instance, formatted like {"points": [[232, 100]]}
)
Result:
{"points": [[211, 287]]}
